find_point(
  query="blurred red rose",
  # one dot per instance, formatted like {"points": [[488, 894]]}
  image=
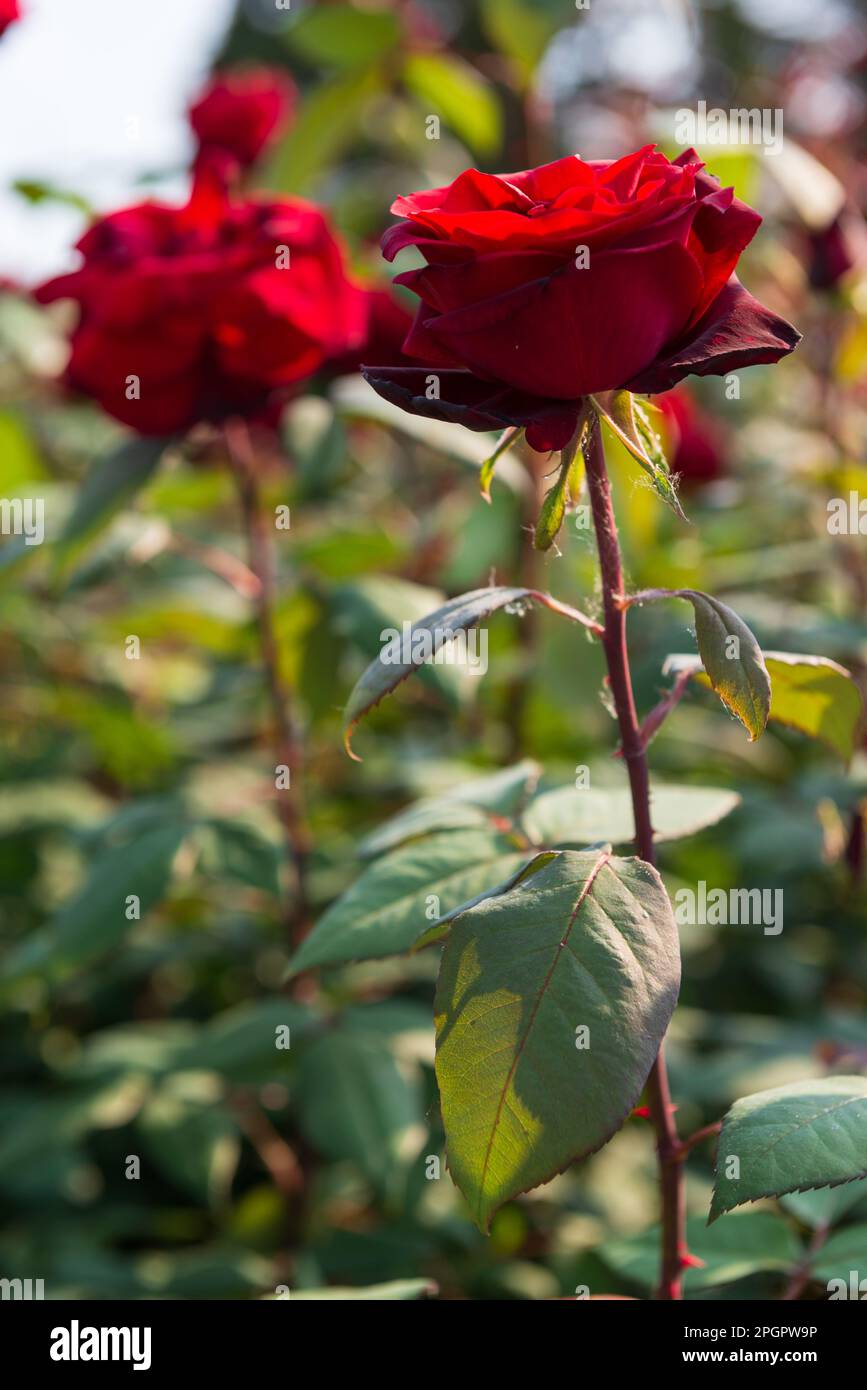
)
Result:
{"points": [[206, 310], [697, 451], [386, 326], [837, 249], [575, 278], [241, 110], [10, 10]]}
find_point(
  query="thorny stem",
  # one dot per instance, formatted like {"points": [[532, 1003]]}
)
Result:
{"points": [[286, 738], [634, 755]]}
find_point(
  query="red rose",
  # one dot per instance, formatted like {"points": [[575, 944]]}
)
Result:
{"points": [[386, 325], [9, 12], [545, 286], [206, 310], [837, 249], [240, 111]]}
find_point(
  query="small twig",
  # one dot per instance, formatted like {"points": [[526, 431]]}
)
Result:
{"points": [[276, 1155], [707, 1132], [652, 723]]}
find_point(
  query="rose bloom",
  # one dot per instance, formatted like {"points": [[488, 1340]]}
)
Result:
{"points": [[546, 286], [10, 10], [241, 111], [185, 314]]}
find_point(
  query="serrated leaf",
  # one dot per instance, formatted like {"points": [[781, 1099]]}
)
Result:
{"points": [[389, 906], [448, 87], [487, 800], [631, 425], [457, 615], [587, 940], [569, 816], [792, 1138], [733, 1249]]}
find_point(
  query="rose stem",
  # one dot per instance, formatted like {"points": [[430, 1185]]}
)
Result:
{"points": [[634, 755], [287, 741]]}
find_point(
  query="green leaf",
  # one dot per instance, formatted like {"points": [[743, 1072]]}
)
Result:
{"points": [[841, 1254], [629, 423], [457, 615], [492, 799], [355, 1102], [396, 1289], [569, 816], [192, 1141], [816, 696], [519, 31], [342, 36], [730, 654], [734, 1249], [329, 122], [804, 1135], [241, 1044], [588, 940], [448, 87], [95, 918], [111, 483], [390, 905], [489, 465], [553, 508]]}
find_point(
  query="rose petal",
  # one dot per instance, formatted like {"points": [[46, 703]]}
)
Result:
{"points": [[468, 400], [737, 331], [581, 330]]}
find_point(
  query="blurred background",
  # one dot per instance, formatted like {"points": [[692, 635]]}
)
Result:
{"points": [[153, 1040]]}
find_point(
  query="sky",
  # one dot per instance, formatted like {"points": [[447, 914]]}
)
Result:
{"points": [[92, 98]]}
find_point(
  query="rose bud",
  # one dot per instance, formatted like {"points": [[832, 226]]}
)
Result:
{"points": [[545, 286], [207, 310], [837, 249], [241, 111]]}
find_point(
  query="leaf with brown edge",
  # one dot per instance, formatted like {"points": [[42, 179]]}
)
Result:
{"points": [[586, 941]]}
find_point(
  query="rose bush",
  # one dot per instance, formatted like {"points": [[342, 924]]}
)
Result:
{"points": [[211, 309], [574, 278], [241, 111]]}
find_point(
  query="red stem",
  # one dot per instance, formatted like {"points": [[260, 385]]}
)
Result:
{"points": [[286, 737], [635, 757]]}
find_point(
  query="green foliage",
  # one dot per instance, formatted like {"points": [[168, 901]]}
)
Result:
{"points": [[586, 943], [804, 1135]]}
